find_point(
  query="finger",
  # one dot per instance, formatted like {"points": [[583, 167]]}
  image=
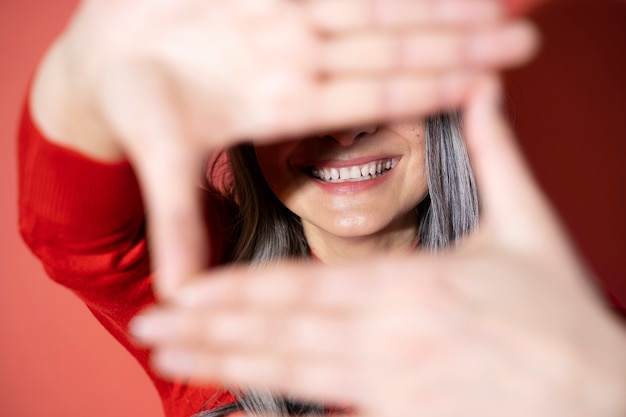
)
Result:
{"points": [[167, 167], [336, 16], [341, 101], [311, 333], [356, 334], [176, 229], [429, 50], [287, 287], [345, 101], [341, 290], [351, 101], [307, 358], [325, 381], [514, 208]]}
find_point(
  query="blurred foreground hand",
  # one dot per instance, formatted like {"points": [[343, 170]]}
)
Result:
{"points": [[505, 325], [165, 82]]}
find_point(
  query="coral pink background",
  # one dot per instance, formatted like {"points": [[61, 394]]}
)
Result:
{"points": [[568, 108], [55, 358]]}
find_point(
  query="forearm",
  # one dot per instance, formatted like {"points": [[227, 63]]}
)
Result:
{"points": [[62, 110]]}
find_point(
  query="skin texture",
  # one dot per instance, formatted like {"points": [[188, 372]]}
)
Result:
{"points": [[505, 325], [352, 220], [177, 79]]}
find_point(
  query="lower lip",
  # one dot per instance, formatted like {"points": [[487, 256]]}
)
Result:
{"points": [[352, 187]]}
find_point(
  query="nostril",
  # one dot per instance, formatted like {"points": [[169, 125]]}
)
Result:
{"points": [[363, 131], [351, 136], [369, 130]]}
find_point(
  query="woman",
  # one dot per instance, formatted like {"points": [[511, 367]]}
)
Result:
{"points": [[339, 199], [177, 80]]}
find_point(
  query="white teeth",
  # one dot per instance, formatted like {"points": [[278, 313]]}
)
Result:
{"points": [[353, 173]]}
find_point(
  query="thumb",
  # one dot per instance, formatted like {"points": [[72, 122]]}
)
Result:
{"points": [[169, 180], [167, 165]]}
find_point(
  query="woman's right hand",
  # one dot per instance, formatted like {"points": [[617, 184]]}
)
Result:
{"points": [[163, 82]]}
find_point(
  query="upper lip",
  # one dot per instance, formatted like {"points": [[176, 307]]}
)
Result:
{"points": [[341, 163]]}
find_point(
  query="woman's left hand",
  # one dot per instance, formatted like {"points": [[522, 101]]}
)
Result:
{"points": [[506, 324]]}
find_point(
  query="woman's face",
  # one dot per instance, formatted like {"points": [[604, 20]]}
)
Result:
{"points": [[351, 187]]}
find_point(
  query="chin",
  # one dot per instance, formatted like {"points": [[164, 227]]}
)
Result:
{"points": [[357, 227]]}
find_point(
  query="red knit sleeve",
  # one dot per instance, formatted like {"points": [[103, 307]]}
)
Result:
{"points": [[84, 220]]}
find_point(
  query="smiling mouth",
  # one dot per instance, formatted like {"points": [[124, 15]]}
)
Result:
{"points": [[354, 173]]}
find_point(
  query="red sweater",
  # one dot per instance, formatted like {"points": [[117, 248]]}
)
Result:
{"points": [[85, 221]]}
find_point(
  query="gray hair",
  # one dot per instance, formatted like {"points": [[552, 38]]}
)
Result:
{"points": [[267, 231], [264, 403]]}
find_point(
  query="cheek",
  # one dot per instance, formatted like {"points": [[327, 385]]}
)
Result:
{"points": [[413, 189], [416, 177]]}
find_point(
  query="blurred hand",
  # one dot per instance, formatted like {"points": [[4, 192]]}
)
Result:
{"points": [[506, 324], [164, 82]]}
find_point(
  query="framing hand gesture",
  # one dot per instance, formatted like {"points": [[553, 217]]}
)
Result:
{"points": [[165, 82], [506, 324]]}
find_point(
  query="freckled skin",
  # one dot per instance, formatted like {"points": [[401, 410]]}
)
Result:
{"points": [[353, 225]]}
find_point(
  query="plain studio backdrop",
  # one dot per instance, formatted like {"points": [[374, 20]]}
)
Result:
{"points": [[567, 107]]}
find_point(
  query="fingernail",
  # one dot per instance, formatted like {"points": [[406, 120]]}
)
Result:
{"points": [[139, 328], [174, 362], [507, 46], [151, 327]]}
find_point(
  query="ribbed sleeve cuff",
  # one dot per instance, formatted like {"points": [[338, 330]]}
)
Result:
{"points": [[63, 188]]}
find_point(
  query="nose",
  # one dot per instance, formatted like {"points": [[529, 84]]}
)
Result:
{"points": [[350, 136]]}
